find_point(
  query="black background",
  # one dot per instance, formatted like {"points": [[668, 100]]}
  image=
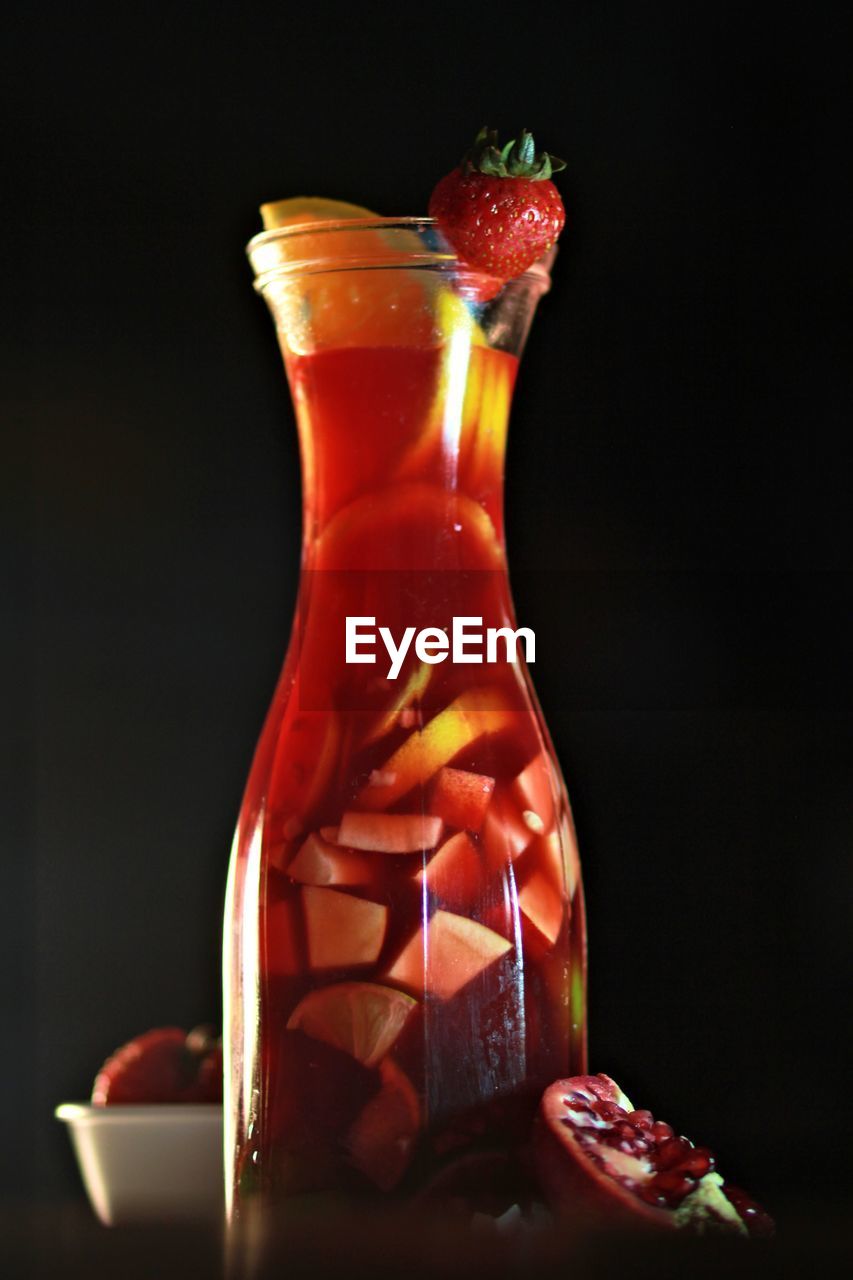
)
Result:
{"points": [[678, 516]]}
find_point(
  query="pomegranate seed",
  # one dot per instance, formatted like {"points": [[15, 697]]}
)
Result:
{"points": [[697, 1163], [673, 1185], [661, 1131], [609, 1110], [672, 1153], [652, 1196], [641, 1119]]}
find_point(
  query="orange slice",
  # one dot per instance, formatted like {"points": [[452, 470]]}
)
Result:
{"points": [[472, 715], [411, 526], [381, 1139], [321, 309], [304, 209], [362, 1019]]}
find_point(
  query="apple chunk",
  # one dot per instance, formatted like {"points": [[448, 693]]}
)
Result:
{"points": [[470, 716], [389, 832], [506, 832], [381, 1139], [542, 905], [533, 790], [321, 862], [461, 798], [455, 873], [342, 930], [451, 954]]}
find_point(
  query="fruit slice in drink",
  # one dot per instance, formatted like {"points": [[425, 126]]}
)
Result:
{"points": [[389, 832], [450, 953], [471, 716], [461, 798], [381, 1139], [533, 790], [342, 930], [506, 833], [362, 1019], [321, 862], [542, 905], [454, 875], [338, 309]]}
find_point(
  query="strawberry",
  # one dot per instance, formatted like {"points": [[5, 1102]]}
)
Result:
{"points": [[163, 1065], [499, 209]]}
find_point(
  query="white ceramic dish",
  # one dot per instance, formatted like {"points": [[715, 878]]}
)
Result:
{"points": [[149, 1163]]}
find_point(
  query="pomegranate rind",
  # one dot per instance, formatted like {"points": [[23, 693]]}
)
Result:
{"points": [[362, 1019], [582, 1178], [573, 1185]]}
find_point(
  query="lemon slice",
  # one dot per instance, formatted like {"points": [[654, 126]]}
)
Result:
{"points": [[287, 213], [360, 1018]]}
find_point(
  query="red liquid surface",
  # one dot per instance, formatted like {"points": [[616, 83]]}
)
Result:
{"points": [[407, 917]]}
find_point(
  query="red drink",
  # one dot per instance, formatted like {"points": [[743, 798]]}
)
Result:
{"points": [[405, 944]]}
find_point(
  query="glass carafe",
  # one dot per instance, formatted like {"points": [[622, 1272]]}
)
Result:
{"points": [[404, 960]]}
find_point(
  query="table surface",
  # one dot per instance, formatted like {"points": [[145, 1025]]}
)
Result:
{"points": [[65, 1240]]}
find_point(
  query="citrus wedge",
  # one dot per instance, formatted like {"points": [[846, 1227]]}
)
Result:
{"points": [[362, 1019], [299, 209]]}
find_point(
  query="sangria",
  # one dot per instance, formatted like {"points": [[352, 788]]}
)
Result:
{"points": [[405, 943]]}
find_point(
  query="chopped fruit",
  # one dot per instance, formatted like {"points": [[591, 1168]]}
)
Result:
{"points": [[499, 208], [362, 1019], [455, 873], [390, 832], [319, 862], [543, 906], [412, 691], [329, 834], [282, 943], [165, 1065], [453, 952], [505, 833], [485, 419], [469, 717], [399, 532], [331, 309], [597, 1156], [381, 1140], [461, 798], [300, 210], [533, 789], [342, 930], [558, 853]]}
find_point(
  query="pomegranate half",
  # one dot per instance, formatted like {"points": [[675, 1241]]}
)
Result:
{"points": [[597, 1157]]}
